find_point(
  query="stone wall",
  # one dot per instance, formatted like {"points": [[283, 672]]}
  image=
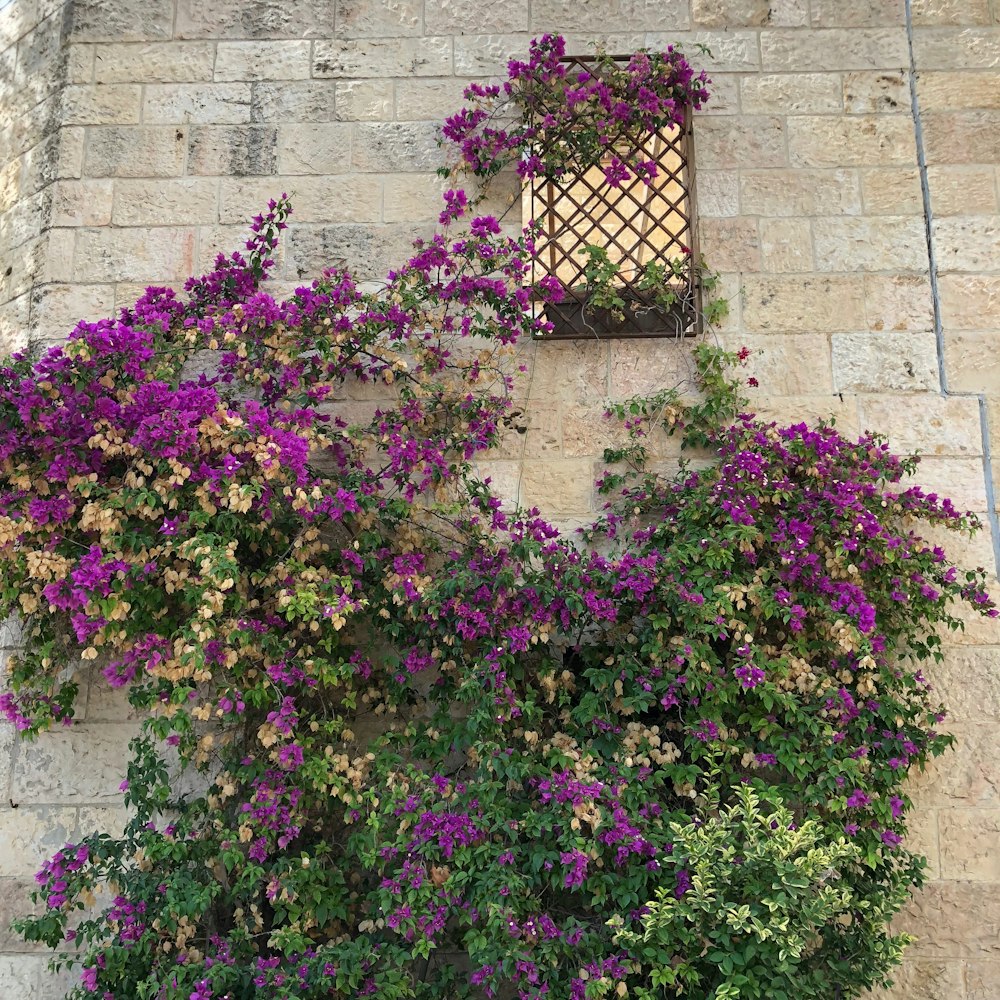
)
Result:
{"points": [[139, 137]]}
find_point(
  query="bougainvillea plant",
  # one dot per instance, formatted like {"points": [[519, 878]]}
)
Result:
{"points": [[441, 749]]}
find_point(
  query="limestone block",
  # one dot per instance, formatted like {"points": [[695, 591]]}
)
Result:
{"points": [[957, 190], [111, 820], [939, 426], [185, 201], [948, 48], [861, 141], [234, 150], [962, 137], [70, 156], [321, 101], [111, 105], [961, 479], [452, 16], [968, 243], [972, 361], [951, 12], [80, 63], [730, 13], [564, 486], [537, 432], [285, 60], [6, 749], [786, 245], [176, 62], [641, 367], [969, 776], [953, 920], [856, 13], [165, 254], [733, 51], [792, 94], [427, 100], [260, 19], [30, 835], [970, 301], [19, 976], [748, 142], [121, 151], [951, 91], [382, 19], [789, 13], [717, 193], [885, 92], [25, 220], [57, 308], [478, 56], [14, 902], [892, 191], [314, 199], [785, 365], [875, 362], [204, 103], [922, 838], [725, 99], [898, 302], [363, 100], [790, 304], [610, 15], [383, 58], [968, 683], [14, 324], [82, 203], [368, 251], [860, 244], [314, 149], [979, 631], [395, 146], [923, 981], [83, 764], [799, 192], [37, 55], [123, 20], [812, 409], [982, 980], [55, 985], [413, 197], [734, 244], [834, 49]]}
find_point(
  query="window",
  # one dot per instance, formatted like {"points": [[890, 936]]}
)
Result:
{"points": [[621, 245]]}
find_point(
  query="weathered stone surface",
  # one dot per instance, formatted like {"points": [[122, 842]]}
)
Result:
{"points": [[119, 151], [111, 105], [924, 981], [267, 60], [565, 485], [427, 100], [57, 308], [119, 20], [951, 91], [885, 92], [260, 19], [970, 301], [14, 902], [958, 190], [210, 104], [931, 425], [383, 19], [568, 370], [952, 12], [856, 13], [383, 57], [395, 146], [314, 199], [786, 245], [792, 94], [856, 244], [859, 141], [30, 835], [898, 302], [843, 408], [953, 920], [164, 254], [969, 776], [803, 304], [892, 191], [444, 16], [413, 197], [982, 980], [968, 243], [730, 13], [232, 150], [19, 976], [314, 149], [610, 15], [799, 192], [962, 136], [82, 203], [749, 142], [644, 366], [83, 764], [370, 251], [178, 62], [185, 201], [735, 244], [875, 362], [786, 364], [834, 49], [537, 432], [948, 48]]}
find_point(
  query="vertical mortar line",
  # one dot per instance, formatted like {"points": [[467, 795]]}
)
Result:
{"points": [[984, 422]]}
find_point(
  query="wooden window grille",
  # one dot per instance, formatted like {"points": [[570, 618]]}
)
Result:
{"points": [[637, 224]]}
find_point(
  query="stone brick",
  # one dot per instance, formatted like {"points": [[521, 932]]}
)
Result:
{"points": [[186, 201], [57, 308], [19, 976], [861, 141], [204, 103], [177, 62], [812, 409], [380, 19], [967, 243], [30, 835], [321, 101], [892, 191], [887, 92], [427, 100], [857, 13], [368, 251], [315, 199], [14, 902], [785, 245], [641, 367], [970, 301], [260, 19], [814, 304], [447, 16], [80, 63], [747, 142], [6, 749], [967, 682], [789, 13], [479, 56], [982, 980], [833, 49], [123, 20], [876, 362], [717, 193], [383, 57], [158, 255], [735, 243], [961, 479], [791, 94], [263, 60], [923, 981], [14, 320], [948, 48], [951, 91], [314, 149], [119, 151], [969, 776], [859, 244], [930, 425], [786, 365], [733, 51], [953, 920], [110, 105], [951, 12], [536, 432], [610, 15], [730, 13], [972, 361], [395, 147], [232, 150], [413, 197], [799, 192], [898, 302], [962, 190], [565, 485], [363, 100], [85, 764]]}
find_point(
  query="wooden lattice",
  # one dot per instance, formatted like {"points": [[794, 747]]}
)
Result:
{"points": [[637, 224]]}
